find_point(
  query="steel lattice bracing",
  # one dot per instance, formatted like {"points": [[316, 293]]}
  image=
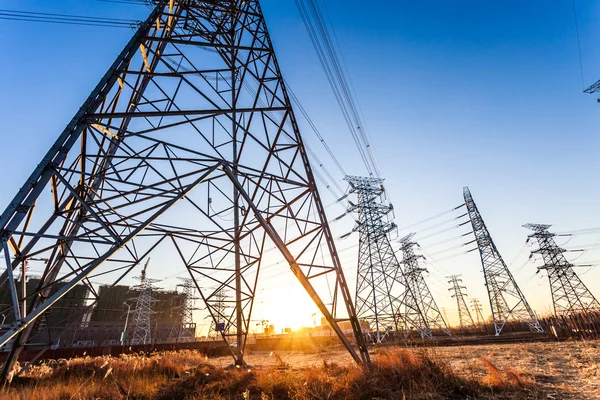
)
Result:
{"points": [[192, 123], [380, 286], [465, 318], [506, 299], [221, 309], [422, 298], [569, 293]]}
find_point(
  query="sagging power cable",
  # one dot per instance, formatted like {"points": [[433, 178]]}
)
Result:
{"points": [[328, 54], [431, 218], [28, 16], [419, 233], [443, 230]]}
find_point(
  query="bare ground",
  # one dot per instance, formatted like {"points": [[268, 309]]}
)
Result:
{"points": [[563, 370], [568, 370]]}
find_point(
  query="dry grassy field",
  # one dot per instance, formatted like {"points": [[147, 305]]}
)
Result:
{"points": [[568, 370]]}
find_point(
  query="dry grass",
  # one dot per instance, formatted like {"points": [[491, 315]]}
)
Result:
{"points": [[477, 372]]}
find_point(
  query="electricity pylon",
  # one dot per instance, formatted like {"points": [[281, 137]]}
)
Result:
{"points": [[184, 329], [220, 310], [593, 88], [569, 293], [421, 298], [380, 285], [188, 141], [506, 299], [445, 314], [476, 306], [465, 319], [141, 326]]}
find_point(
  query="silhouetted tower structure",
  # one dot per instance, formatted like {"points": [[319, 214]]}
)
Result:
{"points": [[569, 293], [445, 314], [184, 329], [595, 87], [141, 328], [189, 141], [464, 315], [506, 299], [421, 298], [217, 325], [381, 288], [476, 306]]}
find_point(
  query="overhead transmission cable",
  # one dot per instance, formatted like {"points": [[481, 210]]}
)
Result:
{"points": [[345, 65], [314, 128], [431, 218], [132, 2], [29, 16], [579, 232], [578, 44], [320, 37]]}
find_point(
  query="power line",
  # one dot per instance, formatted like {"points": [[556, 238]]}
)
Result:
{"points": [[29, 16], [320, 37], [314, 128], [578, 44], [431, 218]]}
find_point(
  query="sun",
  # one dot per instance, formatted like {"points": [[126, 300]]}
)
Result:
{"points": [[286, 305]]}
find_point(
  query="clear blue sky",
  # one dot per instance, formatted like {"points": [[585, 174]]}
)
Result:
{"points": [[484, 94]]}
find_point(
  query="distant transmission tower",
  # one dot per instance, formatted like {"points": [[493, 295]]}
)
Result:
{"points": [[421, 298], [141, 326], [184, 329], [189, 145], [380, 286], [445, 314], [218, 326], [464, 315], [476, 306], [569, 293], [506, 299]]}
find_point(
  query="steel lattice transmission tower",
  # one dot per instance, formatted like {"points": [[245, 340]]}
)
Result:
{"points": [[184, 329], [380, 285], [465, 318], [476, 306], [506, 299], [192, 123], [422, 297], [569, 293], [221, 310], [141, 331]]}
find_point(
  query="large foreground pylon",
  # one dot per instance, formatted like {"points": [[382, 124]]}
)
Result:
{"points": [[506, 299], [188, 141]]}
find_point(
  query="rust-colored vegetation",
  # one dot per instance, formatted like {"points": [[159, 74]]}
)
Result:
{"points": [[394, 374]]}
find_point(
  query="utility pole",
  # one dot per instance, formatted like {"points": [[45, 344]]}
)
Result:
{"points": [[569, 293], [464, 315], [421, 298], [476, 306], [381, 289], [189, 142], [506, 299], [124, 333]]}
